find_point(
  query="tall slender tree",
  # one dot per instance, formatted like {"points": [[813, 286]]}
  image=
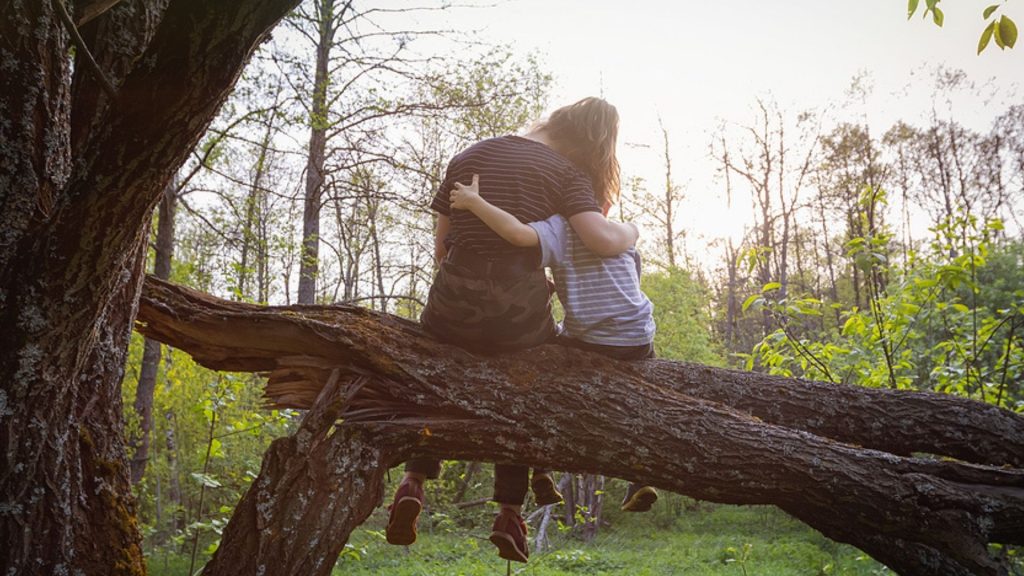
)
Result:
{"points": [[163, 254], [326, 16]]}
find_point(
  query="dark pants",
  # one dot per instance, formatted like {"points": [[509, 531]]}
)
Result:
{"points": [[642, 352], [511, 481], [487, 308]]}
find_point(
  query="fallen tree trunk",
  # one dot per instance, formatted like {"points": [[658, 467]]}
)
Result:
{"points": [[408, 395]]}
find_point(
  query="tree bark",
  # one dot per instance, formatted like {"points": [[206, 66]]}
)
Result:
{"points": [[590, 499], [151, 348], [645, 421], [80, 172], [309, 263], [569, 493]]}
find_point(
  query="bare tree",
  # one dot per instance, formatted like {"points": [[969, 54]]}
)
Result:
{"points": [[664, 208], [327, 16], [761, 162]]}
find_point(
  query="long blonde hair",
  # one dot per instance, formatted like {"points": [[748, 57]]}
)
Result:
{"points": [[585, 132]]}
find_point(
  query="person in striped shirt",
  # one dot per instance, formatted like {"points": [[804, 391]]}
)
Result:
{"points": [[605, 310]]}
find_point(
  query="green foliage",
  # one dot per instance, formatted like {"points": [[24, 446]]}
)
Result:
{"points": [[1005, 32], [1003, 29], [496, 94], [930, 6], [949, 320], [682, 317], [209, 434]]}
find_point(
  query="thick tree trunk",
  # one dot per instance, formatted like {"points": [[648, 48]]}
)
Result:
{"points": [[80, 172], [644, 422]]}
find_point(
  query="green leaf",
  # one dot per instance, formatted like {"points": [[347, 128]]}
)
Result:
{"points": [[961, 307], [216, 449], [852, 324], [937, 17], [909, 308], [997, 33], [750, 301], [911, 8], [1007, 31], [988, 11], [930, 4], [985, 37], [770, 286]]}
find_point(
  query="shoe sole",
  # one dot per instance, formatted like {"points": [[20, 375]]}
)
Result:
{"points": [[401, 531], [642, 501], [507, 548]]}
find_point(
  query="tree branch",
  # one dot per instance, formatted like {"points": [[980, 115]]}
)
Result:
{"points": [[639, 421], [69, 25]]}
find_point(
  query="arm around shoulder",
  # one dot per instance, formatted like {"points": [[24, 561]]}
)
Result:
{"points": [[602, 236], [506, 225]]}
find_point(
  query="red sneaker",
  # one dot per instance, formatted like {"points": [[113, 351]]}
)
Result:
{"points": [[509, 535], [404, 512]]}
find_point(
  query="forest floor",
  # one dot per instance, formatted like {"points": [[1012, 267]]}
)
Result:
{"points": [[708, 540], [679, 537]]}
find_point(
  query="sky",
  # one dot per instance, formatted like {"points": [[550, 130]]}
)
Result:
{"points": [[697, 64]]}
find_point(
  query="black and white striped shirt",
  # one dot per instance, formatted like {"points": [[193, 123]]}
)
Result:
{"points": [[523, 177]]}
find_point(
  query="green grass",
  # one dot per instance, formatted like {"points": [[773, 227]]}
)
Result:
{"points": [[710, 540], [678, 537]]}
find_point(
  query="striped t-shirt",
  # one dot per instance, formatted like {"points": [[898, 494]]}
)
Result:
{"points": [[601, 296], [523, 177]]}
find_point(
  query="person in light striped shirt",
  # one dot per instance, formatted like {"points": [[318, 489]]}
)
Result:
{"points": [[605, 310]]}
